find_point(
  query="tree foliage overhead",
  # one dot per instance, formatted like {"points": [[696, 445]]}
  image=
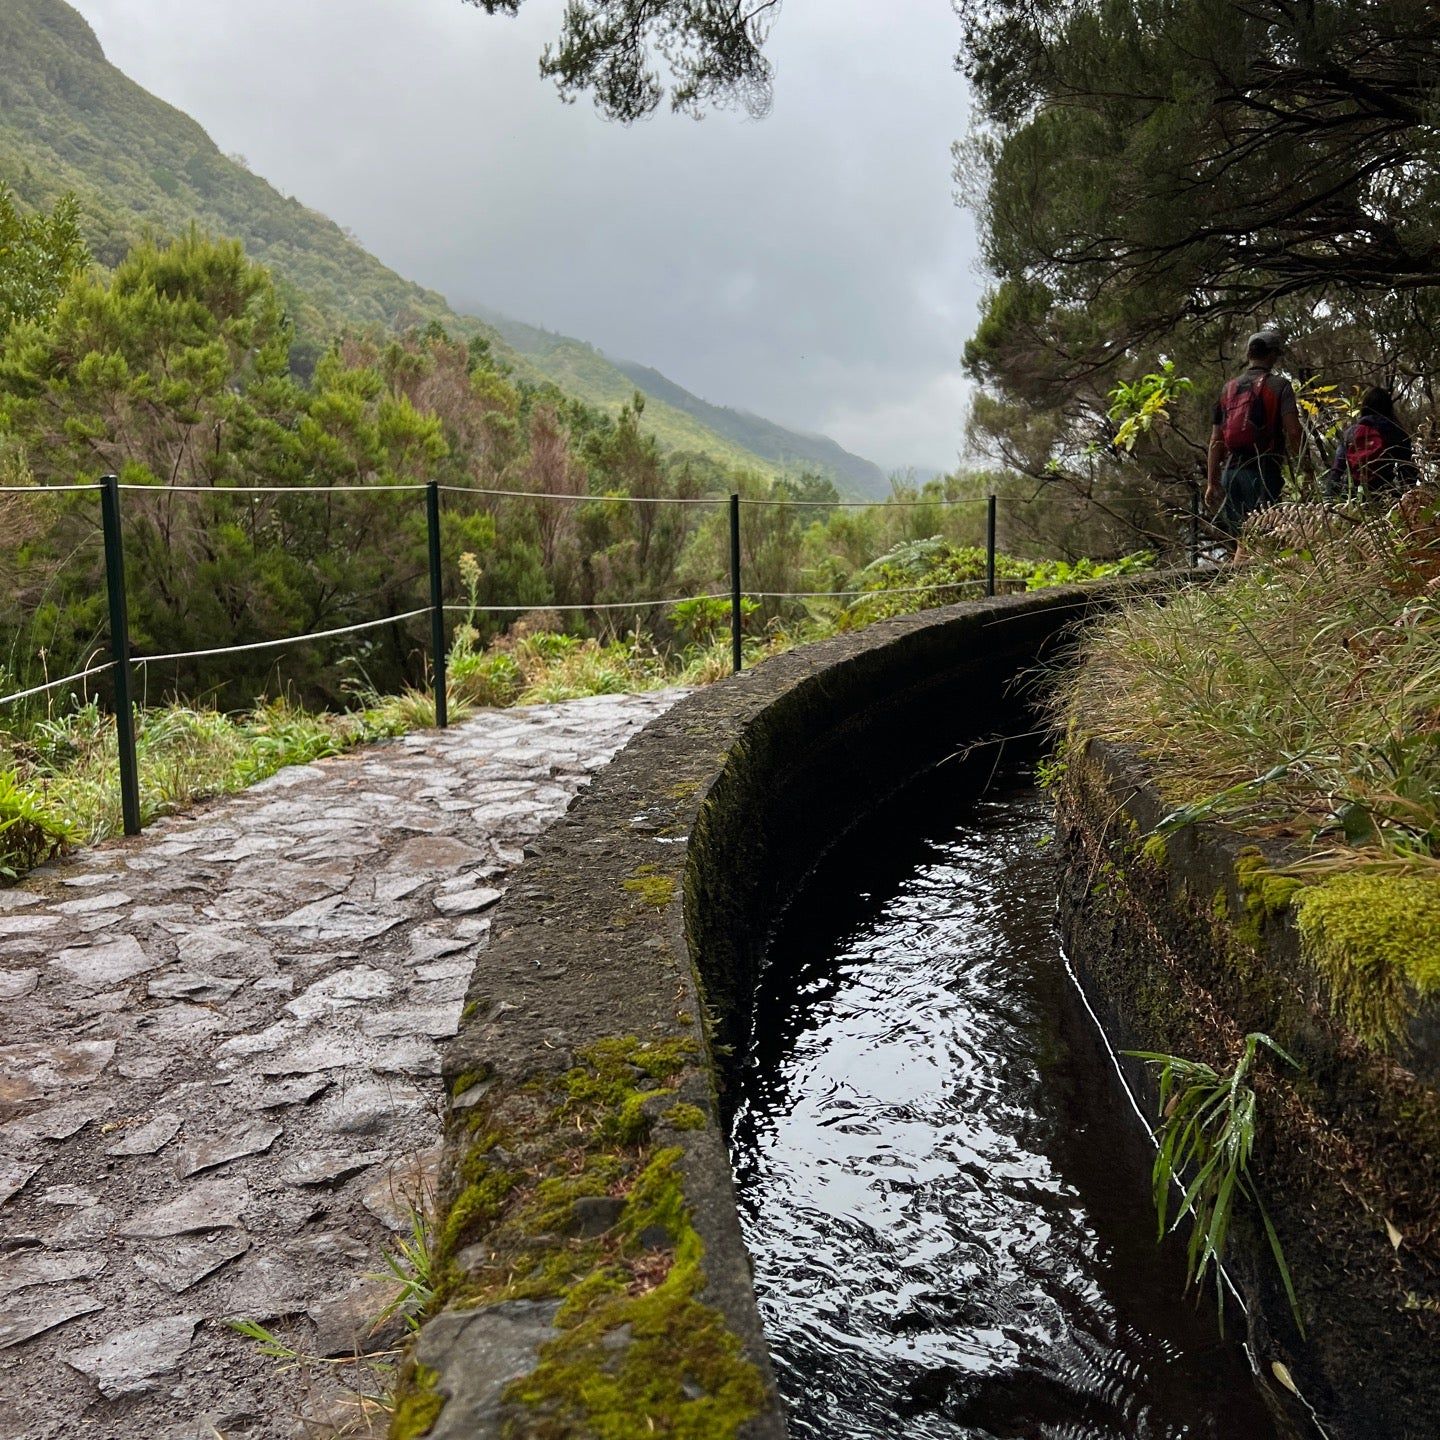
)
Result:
{"points": [[713, 50], [1148, 162], [1154, 179]]}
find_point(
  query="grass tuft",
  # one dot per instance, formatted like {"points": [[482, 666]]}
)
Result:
{"points": [[1204, 1140]]}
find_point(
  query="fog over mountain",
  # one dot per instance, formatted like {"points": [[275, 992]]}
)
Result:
{"points": [[812, 267]]}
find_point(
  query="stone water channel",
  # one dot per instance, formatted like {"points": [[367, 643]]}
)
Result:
{"points": [[219, 1077], [945, 1193]]}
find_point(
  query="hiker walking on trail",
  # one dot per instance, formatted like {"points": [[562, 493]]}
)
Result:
{"points": [[1257, 424], [1374, 457]]}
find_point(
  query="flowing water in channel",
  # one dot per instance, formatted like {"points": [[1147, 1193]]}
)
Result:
{"points": [[940, 1182]]}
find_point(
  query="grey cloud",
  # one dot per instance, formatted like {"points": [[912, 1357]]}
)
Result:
{"points": [[811, 267]]}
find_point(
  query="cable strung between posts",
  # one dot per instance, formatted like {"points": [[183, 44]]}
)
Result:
{"points": [[844, 594], [685, 599], [42, 489], [882, 504], [56, 684], [606, 605], [271, 644], [551, 495], [267, 489], [521, 495]]}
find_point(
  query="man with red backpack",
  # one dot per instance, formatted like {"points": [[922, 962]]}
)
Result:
{"points": [[1374, 458], [1257, 424]]}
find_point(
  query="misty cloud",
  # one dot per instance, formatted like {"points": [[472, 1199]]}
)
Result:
{"points": [[811, 267]]}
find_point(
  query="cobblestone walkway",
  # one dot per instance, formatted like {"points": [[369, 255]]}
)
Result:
{"points": [[219, 1077]]}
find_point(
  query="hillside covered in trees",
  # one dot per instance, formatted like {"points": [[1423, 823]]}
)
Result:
{"points": [[72, 123], [581, 370]]}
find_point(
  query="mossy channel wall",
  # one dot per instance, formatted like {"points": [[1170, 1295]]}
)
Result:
{"points": [[592, 1279], [1184, 945]]}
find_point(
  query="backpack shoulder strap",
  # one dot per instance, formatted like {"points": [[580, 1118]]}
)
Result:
{"points": [[1269, 394]]}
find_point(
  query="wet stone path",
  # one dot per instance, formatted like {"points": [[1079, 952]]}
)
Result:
{"points": [[219, 1077]]}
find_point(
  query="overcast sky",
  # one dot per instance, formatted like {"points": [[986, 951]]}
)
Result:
{"points": [[811, 267]]}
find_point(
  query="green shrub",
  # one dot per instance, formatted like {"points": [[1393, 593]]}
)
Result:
{"points": [[30, 831]]}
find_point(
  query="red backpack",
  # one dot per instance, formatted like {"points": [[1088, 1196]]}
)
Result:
{"points": [[1364, 449], [1249, 415]]}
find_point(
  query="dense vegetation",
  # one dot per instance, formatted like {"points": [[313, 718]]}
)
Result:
{"points": [[1158, 180], [1300, 700], [176, 371], [72, 124]]}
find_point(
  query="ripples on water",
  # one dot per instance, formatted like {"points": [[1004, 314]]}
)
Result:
{"points": [[939, 1184]]}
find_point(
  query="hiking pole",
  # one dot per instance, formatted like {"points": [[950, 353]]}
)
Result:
{"points": [[120, 653], [1194, 526], [437, 604], [737, 659]]}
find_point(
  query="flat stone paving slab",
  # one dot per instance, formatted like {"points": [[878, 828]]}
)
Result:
{"points": [[219, 1089]]}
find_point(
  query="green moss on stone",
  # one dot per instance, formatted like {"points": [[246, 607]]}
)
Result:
{"points": [[553, 1205], [681, 1372], [417, 1407], [637, 1351], [1265, 893], [1376, 941], [686, 1117], [652, 888], [478, 1205], [609, 1085], [1155, 852], [466, 1080]]}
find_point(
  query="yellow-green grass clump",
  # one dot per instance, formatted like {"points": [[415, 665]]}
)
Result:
{"points": [[1300, 699], [1299, 702]]}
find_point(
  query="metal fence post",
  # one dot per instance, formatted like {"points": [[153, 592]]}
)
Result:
{"points": [[737, 658], [1194, 526], [120, 653], [990, 545], [437, 604]]}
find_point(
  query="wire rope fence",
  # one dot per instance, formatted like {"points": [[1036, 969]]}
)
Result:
{"points": [[123, 662]]}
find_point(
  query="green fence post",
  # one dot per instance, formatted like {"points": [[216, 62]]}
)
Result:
{"points": [[120, 652], [737, 658], [990, 545], [437, 604]]}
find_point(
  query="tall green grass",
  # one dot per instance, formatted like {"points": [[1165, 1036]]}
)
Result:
{"points": [[1298, 697], [1204, 1139]]}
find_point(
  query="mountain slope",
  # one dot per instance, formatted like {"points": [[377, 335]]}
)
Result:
{"points": [[71, 121], [790, 448], [580, 369]]}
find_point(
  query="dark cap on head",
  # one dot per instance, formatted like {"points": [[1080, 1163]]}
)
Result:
{"points": [[1264, 345]]}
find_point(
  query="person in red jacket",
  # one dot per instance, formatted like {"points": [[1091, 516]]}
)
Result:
{"points": [[1256, 425], [1374, 457]]}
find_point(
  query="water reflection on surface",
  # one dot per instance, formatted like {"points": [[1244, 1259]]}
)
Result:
{"points": [[950, 1237]]}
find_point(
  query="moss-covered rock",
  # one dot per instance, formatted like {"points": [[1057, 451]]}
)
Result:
{"points": [[1226, 938], [681, 1372], [651, 886], [1375, 938], [418, 1406], [563, 1194]]}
